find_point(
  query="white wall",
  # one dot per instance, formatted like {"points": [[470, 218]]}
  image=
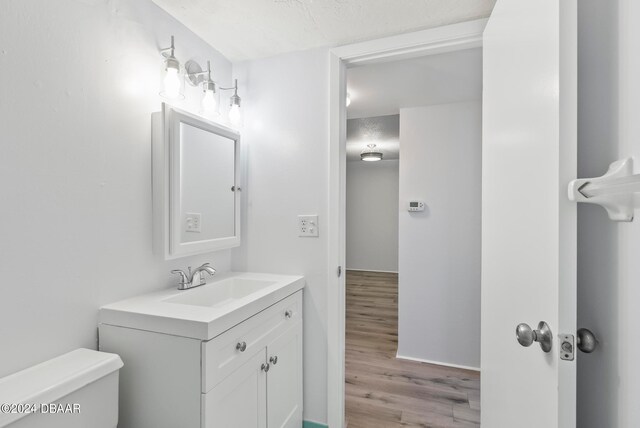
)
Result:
{"points": [[286, 136], [372, 215], [608, 269], [79, 80], [439, 257]]}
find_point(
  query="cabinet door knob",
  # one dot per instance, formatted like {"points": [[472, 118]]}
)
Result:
{"points": [[274, 360], [265, 367], [288, 313], [241, 346]]}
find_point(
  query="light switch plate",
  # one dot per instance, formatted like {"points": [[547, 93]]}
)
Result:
{"points": [[308, 225], [193, 222]]}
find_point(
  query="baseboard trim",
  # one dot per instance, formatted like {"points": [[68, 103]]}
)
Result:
{"points": [[438, 363], [312, 424], [372, 270]]}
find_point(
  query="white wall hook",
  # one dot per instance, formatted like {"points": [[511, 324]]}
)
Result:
{"points": [[618, 191]]}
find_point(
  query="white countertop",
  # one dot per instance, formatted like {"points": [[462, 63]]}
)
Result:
{"points": [[152, 312]]}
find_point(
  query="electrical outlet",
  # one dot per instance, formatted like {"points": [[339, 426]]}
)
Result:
{"points": [[308, 225], [193, 222]]}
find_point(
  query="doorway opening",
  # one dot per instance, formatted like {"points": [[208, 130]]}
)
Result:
{"points": [[412, 308], [440, 40]]}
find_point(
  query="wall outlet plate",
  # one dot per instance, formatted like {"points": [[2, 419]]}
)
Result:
{"points": [[308, 225], [193, 222]]}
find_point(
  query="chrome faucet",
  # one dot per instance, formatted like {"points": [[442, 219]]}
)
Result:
{"points": [[193, 279]]}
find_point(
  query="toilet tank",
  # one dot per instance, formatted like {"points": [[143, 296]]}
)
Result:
{"points": [[74, 390]]}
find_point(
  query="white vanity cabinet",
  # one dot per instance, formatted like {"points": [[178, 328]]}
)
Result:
{"points": [[248, 376], [265, 391], [284, 380]]}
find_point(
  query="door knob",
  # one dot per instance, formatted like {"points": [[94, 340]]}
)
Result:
{"points": [[241, 346], [526, 335], [274, 360], [587, 341], [265, 367]]}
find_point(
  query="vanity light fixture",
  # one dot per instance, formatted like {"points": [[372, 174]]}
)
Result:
{"points": [[235, 116], [209, 97], [371, 154], [171, 81], [196, 76]]}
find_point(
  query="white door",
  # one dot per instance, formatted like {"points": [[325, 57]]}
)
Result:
{"points": [[528, 224], [239, 400], [284, 380]]}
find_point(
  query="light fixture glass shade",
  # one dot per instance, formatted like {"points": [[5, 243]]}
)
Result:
{"points": [[171, 83], [209, 103], [235, 117], [371, 154]]}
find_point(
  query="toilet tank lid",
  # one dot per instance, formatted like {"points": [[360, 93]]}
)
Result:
{"points": [[53, 379]]}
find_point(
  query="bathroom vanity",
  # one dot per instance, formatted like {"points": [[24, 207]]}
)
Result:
{"points": [[226, 354]]}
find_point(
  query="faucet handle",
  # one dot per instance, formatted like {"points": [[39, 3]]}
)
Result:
{"points": [[184, 279]]}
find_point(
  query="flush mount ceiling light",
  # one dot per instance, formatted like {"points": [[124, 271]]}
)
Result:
{"points": [[171, 81], [371, 154]]}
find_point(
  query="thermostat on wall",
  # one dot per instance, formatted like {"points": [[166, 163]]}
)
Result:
{"points": [[416, 206]]}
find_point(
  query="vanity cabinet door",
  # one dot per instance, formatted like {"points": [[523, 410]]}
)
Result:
{"points": [[284, 380], [240, 399]]}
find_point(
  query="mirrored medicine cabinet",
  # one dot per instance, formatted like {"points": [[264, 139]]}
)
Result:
{"points": [[196, 171]]}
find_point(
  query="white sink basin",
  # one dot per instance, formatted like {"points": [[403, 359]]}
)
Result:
{"points": [[222, 293], [202, 312]]}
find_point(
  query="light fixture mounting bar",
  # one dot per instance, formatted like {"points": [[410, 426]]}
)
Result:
{"points": [[170, 51], [233, 88]]}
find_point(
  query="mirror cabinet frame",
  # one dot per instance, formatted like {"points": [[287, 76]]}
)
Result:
{"points": [[166, 171]]}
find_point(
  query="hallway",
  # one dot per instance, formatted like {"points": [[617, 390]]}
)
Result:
{"points": [[384, 392]]}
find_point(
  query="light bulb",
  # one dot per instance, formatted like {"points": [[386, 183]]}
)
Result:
{"points": [[209, 103], [234, 115], [348, 100], [171, 83]]}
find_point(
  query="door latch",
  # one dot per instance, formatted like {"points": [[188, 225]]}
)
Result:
{"points": [[586, 342], [567, 347]]}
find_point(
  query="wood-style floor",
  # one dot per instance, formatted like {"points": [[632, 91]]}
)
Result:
{"points": [[385, 392]]}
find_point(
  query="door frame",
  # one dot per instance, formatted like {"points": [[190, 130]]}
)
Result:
{"points": [[433, 41]]}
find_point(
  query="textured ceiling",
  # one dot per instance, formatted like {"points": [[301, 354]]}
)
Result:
{"points": [[383, 131], [379, 91], [249, 29]]}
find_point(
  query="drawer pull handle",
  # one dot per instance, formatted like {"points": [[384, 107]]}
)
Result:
{"points": [[274, 360], [288, 313], [241, 346], [265, 367]]}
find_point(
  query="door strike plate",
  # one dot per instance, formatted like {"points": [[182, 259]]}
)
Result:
{"points": [[567, 346]]}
